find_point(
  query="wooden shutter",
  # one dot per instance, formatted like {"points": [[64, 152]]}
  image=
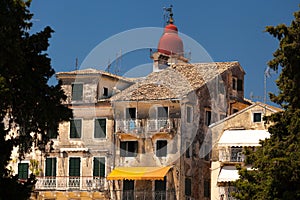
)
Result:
{"points": [[23, 170]]}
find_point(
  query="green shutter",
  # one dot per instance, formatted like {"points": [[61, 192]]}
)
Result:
{"points": [[75, 128], [99, 167], [50, 167], [74, 167], [100, 128], [23, 170]]}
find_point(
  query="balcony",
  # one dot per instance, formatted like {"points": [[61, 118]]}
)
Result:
{"points": [[231, 155], [71, 183], [129, 126], [146, 125]]}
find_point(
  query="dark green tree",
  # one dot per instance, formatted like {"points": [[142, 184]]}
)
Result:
{"points": [[276, 163], [29, 107]]}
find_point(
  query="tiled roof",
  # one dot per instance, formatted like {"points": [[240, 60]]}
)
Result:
{"points": [[262, 105], [91, 72], [174, 82]]}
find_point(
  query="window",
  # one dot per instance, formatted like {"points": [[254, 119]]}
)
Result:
{"points": [[130, 113], [188, 187], [77, 91], [234, 83], [100, 128], [194, 149], [187, 152], [161, 148], [128, 148], [257, 117], [207, 117], [206, 152], [105, 91], [99, 166], [23, 170], [51, 133], [74, 167], [207, 188], [162, 112], [75, 128], [50, 169], [239, 85], [236, 154], [189, 114]]}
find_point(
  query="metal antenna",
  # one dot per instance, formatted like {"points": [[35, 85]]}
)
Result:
{"points": [[76, 63]]}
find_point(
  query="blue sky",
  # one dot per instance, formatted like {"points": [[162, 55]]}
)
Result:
{"points": [[228, 30]]}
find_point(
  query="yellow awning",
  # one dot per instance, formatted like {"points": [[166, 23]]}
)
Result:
{"points": [[139, 173]]}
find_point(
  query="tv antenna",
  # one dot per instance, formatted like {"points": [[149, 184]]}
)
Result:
{"points": [[76, 63], [267, 74], [118, 62]]}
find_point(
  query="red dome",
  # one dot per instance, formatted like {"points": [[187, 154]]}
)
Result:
{"points": [[170, 42]]}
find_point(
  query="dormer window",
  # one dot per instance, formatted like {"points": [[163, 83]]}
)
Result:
{"points": [[105, 91], [234, 83], [237, 84], [77, 91]]}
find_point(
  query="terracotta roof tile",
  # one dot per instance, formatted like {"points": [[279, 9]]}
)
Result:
{"points": [[174, 82], [92, 72]]}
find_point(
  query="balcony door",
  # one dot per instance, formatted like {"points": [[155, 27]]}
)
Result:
{"points": [[50, 173], [130, 115], [160, 189], [128, 190], [74, 173], [158, 118]]}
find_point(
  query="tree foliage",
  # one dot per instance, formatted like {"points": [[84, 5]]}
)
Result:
{"points": [[276, 163], [29, 107]]}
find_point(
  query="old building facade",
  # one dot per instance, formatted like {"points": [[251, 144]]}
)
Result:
{"points": [[230, 136], [82, 153], [143, 138]]}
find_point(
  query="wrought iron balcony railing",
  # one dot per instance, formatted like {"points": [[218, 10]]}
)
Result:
{"points": [[233, 155], [146, 195], [146, 125], [71, 183]]}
